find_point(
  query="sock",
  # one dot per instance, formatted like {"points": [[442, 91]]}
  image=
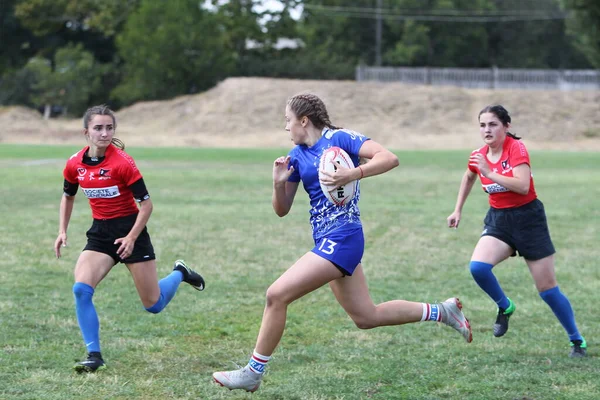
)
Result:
{"points": [[87, 316], [483, 275], [258, 362], [431, 312], [168, 287], [560, 305]]}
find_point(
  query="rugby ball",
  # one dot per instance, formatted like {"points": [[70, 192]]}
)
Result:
{"points": [[331, 158]]}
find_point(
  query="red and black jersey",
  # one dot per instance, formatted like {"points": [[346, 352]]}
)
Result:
{"points": [[513, 153], [106, 185]]}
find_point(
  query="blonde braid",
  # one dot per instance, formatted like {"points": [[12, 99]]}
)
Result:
{"points": [[311, 106]]}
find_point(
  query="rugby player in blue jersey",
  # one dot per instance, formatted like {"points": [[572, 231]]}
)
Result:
{"points": [[338, 236]]}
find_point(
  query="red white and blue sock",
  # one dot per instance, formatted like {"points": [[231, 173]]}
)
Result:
{"points": [[431, 312], [258, 362]]}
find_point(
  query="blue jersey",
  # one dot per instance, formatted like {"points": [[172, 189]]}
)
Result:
{"points": [[325, 216]]}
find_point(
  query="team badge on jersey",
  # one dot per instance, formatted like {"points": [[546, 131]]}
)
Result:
{"points": [[505, 164], [104, 174]]}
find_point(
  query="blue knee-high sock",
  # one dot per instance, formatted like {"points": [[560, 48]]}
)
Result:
{"points": [[483, 275], [560, 305], [87, 316], [168, 287]]}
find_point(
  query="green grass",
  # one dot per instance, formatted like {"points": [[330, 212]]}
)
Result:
{"points": [[213, 208]]}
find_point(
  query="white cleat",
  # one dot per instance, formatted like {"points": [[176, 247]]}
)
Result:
{"points": [[241, 378], [453, 316]]}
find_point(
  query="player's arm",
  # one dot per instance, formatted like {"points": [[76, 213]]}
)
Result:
{"points": [[64, 215], [140, 194], [518, 183], [466, 184], [283, 190], [381, 160], [283, 197]]}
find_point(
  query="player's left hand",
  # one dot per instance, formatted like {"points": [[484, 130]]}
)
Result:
{"points": [[126, 247], [339, 177], [478, 161]]}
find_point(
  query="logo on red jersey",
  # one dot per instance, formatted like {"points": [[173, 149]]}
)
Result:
{"points": [[101, 193], [505, 164], [104, 174], [81, 171]]}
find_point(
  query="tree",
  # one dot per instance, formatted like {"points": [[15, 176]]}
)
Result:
{"points": [[171, 48], [18, 44], [69, 84], [584, 27]]}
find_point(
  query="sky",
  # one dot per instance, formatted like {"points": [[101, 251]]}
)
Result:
{"points": [[273, 5]]}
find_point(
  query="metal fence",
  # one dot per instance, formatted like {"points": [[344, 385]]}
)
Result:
{"points": [[485, 77]]}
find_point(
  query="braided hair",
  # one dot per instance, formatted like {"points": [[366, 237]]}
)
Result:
{"points": [[103, 110], [502, 115], [310, 106]]}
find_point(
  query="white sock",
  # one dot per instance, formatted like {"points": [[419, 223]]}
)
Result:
{"points": [[258, 362], [431, 312]]}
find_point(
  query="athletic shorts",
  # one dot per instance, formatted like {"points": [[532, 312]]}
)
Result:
{"points": [[103, 233], [523, 228], [343, 248]]}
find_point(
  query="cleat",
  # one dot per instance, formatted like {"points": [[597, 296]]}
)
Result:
{"points": [[92, 363], [453, 316], [241, 378], [189, 275], [501, 325], [578, 348]]}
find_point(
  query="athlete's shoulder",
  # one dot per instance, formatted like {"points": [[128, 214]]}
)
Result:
{"points": [[516, 146], [119, 156], [76, 157], [295, 151], [482, 150], [341, 133]]}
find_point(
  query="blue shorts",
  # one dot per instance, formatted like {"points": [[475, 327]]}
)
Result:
{"points": [[343, 248]]}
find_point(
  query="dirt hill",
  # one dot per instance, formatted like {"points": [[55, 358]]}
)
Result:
{"points": [[248, 112]]}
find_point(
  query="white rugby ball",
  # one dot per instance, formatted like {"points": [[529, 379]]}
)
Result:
{"points": [[338, 196]]}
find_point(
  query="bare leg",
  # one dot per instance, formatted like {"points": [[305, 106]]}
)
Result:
{"points": [[309, 273], [146, 281], [542, 272], [353, 295], [92, 267]]}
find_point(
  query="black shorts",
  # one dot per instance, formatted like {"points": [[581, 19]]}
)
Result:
{"points": [[103, 233], [523, 228]]}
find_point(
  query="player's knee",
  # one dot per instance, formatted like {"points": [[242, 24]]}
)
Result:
{"points": [[82, 290], [480, 269], [154, 306], [152, 302], [365, 322], [276, 297]]}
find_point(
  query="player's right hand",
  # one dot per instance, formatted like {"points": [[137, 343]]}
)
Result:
{"points": [[282, 170], [454, 220], [61, 241]]}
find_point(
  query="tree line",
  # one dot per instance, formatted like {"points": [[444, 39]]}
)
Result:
{"points": [[70, 54]]}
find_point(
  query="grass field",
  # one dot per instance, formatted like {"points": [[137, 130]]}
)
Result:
{"points": [[213, 208]]}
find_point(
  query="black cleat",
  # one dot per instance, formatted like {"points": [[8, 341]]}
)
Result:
{"points": [[501, 325], [189, 275], [92, 363], [578, 348]]}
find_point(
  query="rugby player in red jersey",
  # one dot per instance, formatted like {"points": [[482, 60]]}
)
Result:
{"points": [[114, 186], [515, 222]]}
